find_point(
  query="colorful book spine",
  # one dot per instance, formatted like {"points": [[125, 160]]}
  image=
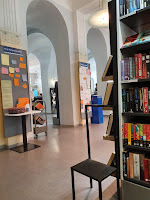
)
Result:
{"points": [[142, 157], [128, 101], [140, 66], [145, 99], [144, 69], [129, 134], [136, 99], [127, 70], [136, 66], [132, 68], [127, 7], [148, 136], [132, 134], [131, 93], [141, 4], [136, 166], [146, 177], [121, 8], [137, 132], [125, 141], [141, 134], [141, 99], [144, 135], [128, 167], [131, 165], [124, 7], [122, 71], [124, 100], [148, 65], [125, 163], [134, 5], [138, 4]]}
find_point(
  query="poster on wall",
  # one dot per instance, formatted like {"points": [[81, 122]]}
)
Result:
{"points": [[85, 88]]}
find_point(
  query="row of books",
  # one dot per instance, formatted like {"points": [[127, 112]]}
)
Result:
{"points": [[136, 99], [137, 67], [136, 166], [129, 6], [136, 134]]}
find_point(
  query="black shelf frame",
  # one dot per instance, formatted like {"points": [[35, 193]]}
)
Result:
{"points": [[136, 81], [138, 21], [136, 114], [138, 182], [137, 148]]}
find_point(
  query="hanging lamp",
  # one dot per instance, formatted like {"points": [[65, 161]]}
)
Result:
{"points": [[99, 19]]}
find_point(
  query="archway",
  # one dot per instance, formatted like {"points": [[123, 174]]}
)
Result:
{"points": [[44, 17], [97, 45]]}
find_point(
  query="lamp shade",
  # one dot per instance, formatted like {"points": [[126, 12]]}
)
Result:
{"points": [[99, 19]]}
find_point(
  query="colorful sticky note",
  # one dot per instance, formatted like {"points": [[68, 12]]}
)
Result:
{"points": [[16, 82], [11, 70], [24, 77], [17, 70], [14, 62], [4, 70], [5, 59], [17, 75], [21, 59], [22, 65], [24, 86], [84, 78], [11, 75]]}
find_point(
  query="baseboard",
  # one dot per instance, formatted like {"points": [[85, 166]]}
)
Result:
{"points": [[69, 126]]}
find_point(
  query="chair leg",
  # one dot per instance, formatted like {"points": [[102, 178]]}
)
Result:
{"points": [[91, 183], [73, 185], [100, 191]]}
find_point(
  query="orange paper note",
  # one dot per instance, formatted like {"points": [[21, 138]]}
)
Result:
{"points": [[21, 59], [23, 101], [16, 82], [11, 75], [17, 75], [24, 86], [22, 65]]}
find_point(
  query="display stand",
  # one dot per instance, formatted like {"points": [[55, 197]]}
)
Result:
{"points": [[137, 21], [25, 147]]}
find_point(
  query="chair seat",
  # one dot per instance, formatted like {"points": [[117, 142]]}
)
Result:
{"points": [[93, 169]]}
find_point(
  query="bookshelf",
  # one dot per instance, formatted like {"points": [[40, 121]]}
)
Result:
{"points": [[128, 25]]}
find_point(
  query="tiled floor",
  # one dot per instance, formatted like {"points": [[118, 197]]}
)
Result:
{"points": [[44, 173]]}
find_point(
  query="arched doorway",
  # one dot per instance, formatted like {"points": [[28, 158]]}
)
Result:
{"points": [[44, 17]]}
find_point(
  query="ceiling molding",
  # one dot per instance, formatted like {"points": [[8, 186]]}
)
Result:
{"points": [[91, 7]]}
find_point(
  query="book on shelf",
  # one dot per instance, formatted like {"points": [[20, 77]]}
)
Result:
{"points": [[136, 99], [136, 166], [136, 134], [129, 6]]}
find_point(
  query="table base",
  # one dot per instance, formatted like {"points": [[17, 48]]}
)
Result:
{"points": [[20, 149]]}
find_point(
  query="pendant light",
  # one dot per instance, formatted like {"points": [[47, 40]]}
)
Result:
{"points": [[99, 19]]}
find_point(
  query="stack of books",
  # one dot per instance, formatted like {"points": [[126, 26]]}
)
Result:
{"points": [[136, 166], [137, 67], [136, 99], [136, 134], [129, 6]]}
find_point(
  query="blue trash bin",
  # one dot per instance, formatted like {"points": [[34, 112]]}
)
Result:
{"points": [[97, 113]]}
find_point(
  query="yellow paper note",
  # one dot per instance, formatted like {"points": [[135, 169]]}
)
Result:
{"points": [[5, 59], [17, 75], [24, 86], [21, 59], [7, 98], [16, 82], [22, 65], [11, 75], [11, 70]]}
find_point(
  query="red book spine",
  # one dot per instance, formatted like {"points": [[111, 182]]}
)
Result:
{"points": [[140, 65], [145, 99], [148, 135], [146, 170], [144, 68], [125, 133], [136, 66]]}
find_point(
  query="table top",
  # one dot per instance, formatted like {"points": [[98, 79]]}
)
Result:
{"points": [[93, 169], [22, 114]]}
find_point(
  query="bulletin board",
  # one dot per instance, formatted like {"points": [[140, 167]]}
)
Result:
{"points": [[14, 85], [85, 88]]}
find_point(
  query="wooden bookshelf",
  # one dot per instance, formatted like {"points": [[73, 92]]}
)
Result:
{"points": [[138, 21], [137, 148], [139, 182]]}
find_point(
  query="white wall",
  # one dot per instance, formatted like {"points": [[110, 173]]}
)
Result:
{"points": [[97, 45]]}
